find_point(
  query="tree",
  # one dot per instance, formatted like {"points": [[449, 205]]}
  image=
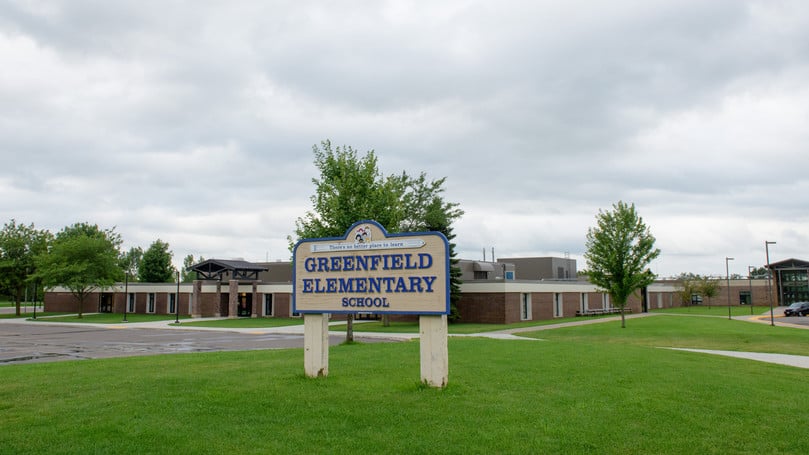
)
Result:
{"points": [[19, 246], [708, 287], [129, 262], [759, 273], [426, 210], [687, 288], [187, 275], [155, 266], [619, 248], [351, 188], [83, 258]]}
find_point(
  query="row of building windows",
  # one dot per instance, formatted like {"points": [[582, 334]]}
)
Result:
{"points": [[151, 299], [558, 304]]}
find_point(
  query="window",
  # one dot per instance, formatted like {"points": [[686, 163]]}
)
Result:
{"points": [[268, 305], [557, 305], [585, 302], [150, 303], [525, 306], [745, 298], [172, 303], [130, 304], [605, 301], [481, 275]]}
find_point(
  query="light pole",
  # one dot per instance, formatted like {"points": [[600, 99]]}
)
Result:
{"points": [[35, 299], [126, 294], [177, 301], [750, 269], [767, 244], [727, 277]]}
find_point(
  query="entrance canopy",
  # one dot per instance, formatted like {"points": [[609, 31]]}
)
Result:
{"points": [[217, 269]]}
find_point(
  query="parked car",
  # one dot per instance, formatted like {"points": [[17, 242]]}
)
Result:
{"points": [[797, 309]]}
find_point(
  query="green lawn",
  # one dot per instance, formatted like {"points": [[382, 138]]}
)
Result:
{"points": [[454, 328], [584, 390], [735, 310], [686, 332], [367, 326]]}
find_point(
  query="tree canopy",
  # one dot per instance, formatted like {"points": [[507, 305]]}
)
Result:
{"points": [[130, 262], [155, 265], [351, 188], [619, 249], [188, 276], [19, 246], [83, 258]]}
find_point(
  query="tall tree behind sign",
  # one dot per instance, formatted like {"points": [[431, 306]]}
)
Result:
{"points": [[351, 188]]}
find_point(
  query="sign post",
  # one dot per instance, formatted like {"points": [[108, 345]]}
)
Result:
{"points": [[371, 271], [433, 349], [316, 345]]}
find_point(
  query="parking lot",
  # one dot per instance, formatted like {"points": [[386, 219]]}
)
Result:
{"points": [[29, 342]]}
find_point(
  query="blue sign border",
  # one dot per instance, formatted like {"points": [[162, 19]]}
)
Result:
{"points": [[387, 236]]}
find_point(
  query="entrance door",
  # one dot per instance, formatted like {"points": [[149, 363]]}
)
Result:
{"points": [[245, 307], [105, 303]]}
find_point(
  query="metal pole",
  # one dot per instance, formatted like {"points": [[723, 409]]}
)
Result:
{"points": [[35, 299], [750, 286], [727, 277], [177, 301], [126, 294], [767, 244]]}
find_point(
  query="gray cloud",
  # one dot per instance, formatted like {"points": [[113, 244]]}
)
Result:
{"points": [[194, 123]]}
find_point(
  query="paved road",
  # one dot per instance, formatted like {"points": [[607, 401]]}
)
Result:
{"points": [[29, 342]]}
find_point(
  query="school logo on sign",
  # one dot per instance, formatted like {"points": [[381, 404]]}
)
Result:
{"points": [[372, 271]]}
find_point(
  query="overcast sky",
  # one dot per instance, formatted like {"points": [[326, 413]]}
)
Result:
{"points": [[194, 122]]}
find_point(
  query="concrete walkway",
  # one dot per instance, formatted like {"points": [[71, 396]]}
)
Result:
{"points": [[800, 361]]}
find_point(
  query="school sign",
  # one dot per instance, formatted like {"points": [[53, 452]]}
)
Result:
{"points": [[371, 271]]}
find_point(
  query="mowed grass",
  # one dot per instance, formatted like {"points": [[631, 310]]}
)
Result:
{"points": [[27, 314], [683, 331], [460, 328], [583, 391], [720, 311]]}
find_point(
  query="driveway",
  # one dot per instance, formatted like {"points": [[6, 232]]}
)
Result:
{"points": [[29, 342]]}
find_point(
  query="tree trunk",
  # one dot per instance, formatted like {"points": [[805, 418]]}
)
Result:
{"points": [[17, 300], [350, 328], [80, 298], [623, 319]]}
